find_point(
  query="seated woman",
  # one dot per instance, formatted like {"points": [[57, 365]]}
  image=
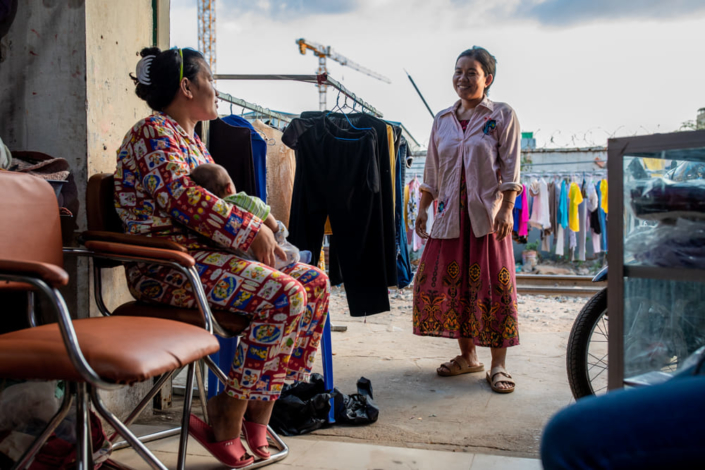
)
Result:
{"points": [[155, 196]]}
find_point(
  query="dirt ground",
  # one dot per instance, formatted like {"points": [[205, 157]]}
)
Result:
{"points": [[422, 410], [419, 409]]}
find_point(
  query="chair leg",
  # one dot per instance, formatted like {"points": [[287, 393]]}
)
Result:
{"points": [[200, 372], [188, 401], [145, 401], [32, 450], [125, 432], [84, 441]]}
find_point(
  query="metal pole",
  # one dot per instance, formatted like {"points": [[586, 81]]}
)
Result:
{"points": [[420, 95]]}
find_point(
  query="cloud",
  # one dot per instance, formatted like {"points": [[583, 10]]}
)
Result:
{"points": [[570, 12], [288, 9]]}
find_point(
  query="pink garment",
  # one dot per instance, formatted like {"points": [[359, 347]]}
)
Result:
{"points": [[524, 214], [489, 150]]}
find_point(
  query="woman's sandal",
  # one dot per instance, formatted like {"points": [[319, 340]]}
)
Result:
{"points": [[458, 366], [230, 452], [500, 375], [256, 437]]}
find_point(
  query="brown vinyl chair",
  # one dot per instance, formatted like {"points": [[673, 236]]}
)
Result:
{"points": [[105, 237], [90, 354]]}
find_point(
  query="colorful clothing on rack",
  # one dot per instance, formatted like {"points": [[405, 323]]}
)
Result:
{"points": [[524, 215], [154, 196], [604, 191], [259, 153], [465, 287], [575, 197], [281, 168]]}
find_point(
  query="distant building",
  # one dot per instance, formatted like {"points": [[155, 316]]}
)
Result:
{"points": [[546, 160], [700, 123]]}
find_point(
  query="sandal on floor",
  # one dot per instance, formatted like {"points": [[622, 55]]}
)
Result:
{"points": [[497, 375], [256, 437], [228, 452], [458, 366]]}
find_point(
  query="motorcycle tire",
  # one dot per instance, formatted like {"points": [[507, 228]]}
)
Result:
{"points": [[578, 344]]}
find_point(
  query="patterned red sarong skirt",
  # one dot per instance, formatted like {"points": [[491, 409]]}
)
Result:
{"points": [[465, 287]]}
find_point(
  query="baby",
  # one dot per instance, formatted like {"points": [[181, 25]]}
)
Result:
{"points": [[215, 179]]}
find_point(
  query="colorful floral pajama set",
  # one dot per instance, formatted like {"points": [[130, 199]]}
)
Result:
{"points": [[465, 285], [154, 196]]}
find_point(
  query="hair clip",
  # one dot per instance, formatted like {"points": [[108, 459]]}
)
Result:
{"points": [[143, 70]]}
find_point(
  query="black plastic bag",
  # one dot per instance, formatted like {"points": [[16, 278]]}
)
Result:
{"points": [[358, 408], [304, 407], [301, 408]]}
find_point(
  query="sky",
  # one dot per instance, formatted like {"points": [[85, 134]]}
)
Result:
{"points": [[575, 71]]}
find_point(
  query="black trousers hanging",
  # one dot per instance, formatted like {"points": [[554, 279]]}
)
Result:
{"points": [[340, 179], [359, 120], [231, 147]]}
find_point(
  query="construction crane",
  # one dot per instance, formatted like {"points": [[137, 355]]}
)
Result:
{"points": [[206, 31], [323, 52]]}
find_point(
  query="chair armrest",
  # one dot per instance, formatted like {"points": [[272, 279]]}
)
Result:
{"points": [[52, 275], [120, 249], [126, 239]]}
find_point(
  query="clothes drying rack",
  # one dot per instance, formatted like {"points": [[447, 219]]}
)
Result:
{"points": [[321, 79], [228, 346]]}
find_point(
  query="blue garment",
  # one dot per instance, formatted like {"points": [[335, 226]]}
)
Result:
{"points": [[562, 214], [404, 275], [653, 427], [516, 212], [259, 154], [603, 219]]}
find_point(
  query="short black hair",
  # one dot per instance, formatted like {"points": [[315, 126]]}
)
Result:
{"points": [[164, 74], [487, 62], [212, 177]]}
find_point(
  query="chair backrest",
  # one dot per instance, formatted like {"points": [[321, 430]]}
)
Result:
{"points": [[100, 204], [30, 226]]}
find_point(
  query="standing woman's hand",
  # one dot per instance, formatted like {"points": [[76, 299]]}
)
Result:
{"points": [[421, 222], [504, 222]]}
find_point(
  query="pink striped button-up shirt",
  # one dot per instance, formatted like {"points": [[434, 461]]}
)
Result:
{"points": [[489, 150]]}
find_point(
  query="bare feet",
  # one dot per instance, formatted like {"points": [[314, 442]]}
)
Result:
{"points": [[260, 412], [226, 415]]}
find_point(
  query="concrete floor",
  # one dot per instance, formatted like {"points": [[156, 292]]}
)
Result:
{"points": [[459, 416], [308, 453]]}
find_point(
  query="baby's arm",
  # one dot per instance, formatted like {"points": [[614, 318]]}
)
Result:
{"points": [[271, 222]]}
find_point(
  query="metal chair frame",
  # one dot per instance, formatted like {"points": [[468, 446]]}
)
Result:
{"points": [[210, 324]]}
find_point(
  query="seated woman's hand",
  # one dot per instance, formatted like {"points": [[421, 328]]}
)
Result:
{"points": [[265, 247]]}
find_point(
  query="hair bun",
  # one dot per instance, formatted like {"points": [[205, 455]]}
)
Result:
{"points": [[150, 51]]}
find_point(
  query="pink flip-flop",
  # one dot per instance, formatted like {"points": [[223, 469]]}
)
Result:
{"points": [[256, 437], [228, 452]]}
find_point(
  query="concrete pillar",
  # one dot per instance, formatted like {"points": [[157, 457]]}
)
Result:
{"points": [[65, 91]]}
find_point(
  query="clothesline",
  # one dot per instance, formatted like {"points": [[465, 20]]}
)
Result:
{"points": [[254, 107], [322, 79], [565, 163]]}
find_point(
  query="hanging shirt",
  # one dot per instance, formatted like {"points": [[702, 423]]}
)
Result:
{"points": [[155, 196], [392, 159], [524, 217], [576, 198], [281, 168], [259, 153], [563, 206], [540, 213], [603, 190], [516, 212], [489, 151]]}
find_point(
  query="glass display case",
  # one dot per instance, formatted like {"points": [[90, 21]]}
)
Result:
{"points": [[656, 239]]}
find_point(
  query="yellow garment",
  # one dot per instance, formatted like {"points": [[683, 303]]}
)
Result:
{"points": [[575, 197], [654, 164], [392, 160], [603, 190], [322, 260], [406, 206]]}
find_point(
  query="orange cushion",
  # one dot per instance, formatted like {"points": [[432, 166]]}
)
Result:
{"points": [[120, 349]]}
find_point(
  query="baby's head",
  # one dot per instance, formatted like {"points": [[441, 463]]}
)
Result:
{"points": [[214, 178]]}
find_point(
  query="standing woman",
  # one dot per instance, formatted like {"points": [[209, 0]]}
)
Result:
{"points": [[465, 285], [156, 197]]}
